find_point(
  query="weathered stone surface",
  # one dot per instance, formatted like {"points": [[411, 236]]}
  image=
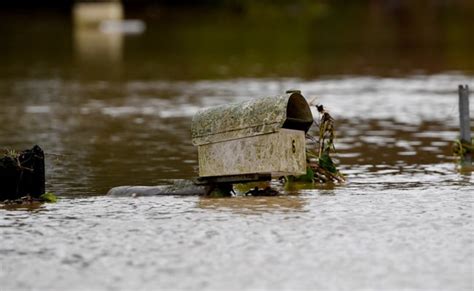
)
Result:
{"points": [[264, 135], [251, 118], [178, 188], [281, 153]]}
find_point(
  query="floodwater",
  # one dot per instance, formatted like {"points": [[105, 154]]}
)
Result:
{"points": [[403, 219]]}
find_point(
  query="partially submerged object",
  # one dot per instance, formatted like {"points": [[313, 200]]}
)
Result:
{"points": [[183, 187], [22, 174], [256, 140], [262, 138], [463, 147], [22, 178], [176, 187]]}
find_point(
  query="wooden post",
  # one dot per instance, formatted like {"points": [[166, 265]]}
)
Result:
{"points": [[22, 174], [465, 128]]}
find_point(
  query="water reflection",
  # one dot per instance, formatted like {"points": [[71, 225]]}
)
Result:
{"points": [[95, 48], [254, 205], [369, 39]]}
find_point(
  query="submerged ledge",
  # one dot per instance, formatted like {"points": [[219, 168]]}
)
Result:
{"points": [[179, 187]]}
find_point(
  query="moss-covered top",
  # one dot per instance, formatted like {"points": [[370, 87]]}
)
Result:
{"points": [[251, 118]]}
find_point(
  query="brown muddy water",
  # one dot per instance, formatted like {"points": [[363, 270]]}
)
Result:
{"points": [[403, 219]]}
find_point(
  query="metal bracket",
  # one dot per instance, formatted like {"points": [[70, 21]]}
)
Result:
{"points": [[233, 179]]}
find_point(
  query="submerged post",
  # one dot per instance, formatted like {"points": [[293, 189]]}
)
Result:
{"points": [[465, 127]]}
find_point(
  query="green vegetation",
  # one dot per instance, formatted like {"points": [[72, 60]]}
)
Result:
{"points": [[11, 153], [321, 168], [27, 200], [11, 157], [461, 148], [49, 197]]}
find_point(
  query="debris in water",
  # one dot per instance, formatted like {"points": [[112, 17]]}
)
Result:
{"points": [[29, 200], [320, 166], [264, 192]]}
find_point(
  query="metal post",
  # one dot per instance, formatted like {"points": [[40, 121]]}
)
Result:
{"points": [[464, 119]]}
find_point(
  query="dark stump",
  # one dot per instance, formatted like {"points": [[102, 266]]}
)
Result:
{"points": [[22, 174]]}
